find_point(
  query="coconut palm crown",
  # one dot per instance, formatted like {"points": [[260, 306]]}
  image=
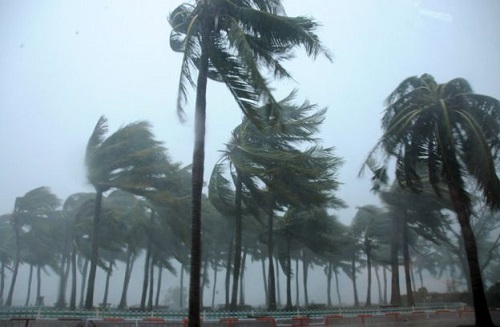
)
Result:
{"points": [[452, 134]]}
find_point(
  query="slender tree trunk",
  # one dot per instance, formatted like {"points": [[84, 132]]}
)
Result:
{"points": [[151, 283], [181, 295], [39, 301], [63, 281], [89, 300], [353, 278], [84, 279], [237, 243], [2, 281], [297, 288], [242, 278], [204, 280], [337, 286], [197, 181], [406, 259], [395, 291], [329, 284], [481, 310], [214, 288], [288, 305], [305, 268], [158, 286], [126, 280], [15, 270], [413, 282], [228, 270], [30, 279], [145, 279], [106, 285], [270, 247], [369, 268], [264, 278], [278, 289], [72, 297], [377, 276], [384, 273], [421, 278]]}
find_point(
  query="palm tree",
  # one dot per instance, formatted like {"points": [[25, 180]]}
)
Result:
{"points": [[36, 204], [453, 132], [237, 43], [129, 159]]}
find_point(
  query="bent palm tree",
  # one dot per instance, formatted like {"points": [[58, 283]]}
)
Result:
{"points": [[237, 43], [453, 132], [129, 159]]}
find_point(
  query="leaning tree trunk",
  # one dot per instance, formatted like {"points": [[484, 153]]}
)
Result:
{"points": [[242, 278], [369, 268], [406, 259], [39, 301], [271, 305], [151, 283], [197, 181], [384, 274], [84, 278], [377, 276], [237, 243], [229, 265], [30, 279], [353, 278], [145, 279], [278, 289], [8, 302], [214, 287], [72, 297], [126, 279], [305, 266], [395, 291], [158, 286], [181, 293], [329, 283], [337, 286], [89, 300], [462, 210], [264, 278], [288, 305], [106, 285]]}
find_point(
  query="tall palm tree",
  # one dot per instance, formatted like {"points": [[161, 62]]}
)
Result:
{"points": [[129, 159], [237, 43], [453, 133]]}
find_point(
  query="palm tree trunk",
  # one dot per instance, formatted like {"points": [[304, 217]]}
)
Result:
{"points": [[63, 280], [242, 278], [84, 278], [413, 282], [329, 284], [406, 259], [228, 269], [158, 286], [270, 247], [181, 293], [15, 270], [72, 298], [237, 243], [145, 279], [39, 301], [30, 279], [204, 279], [353, 278], [106, 285], [89, 300], [151, 283], [369, 268], [395, 292], [126, 280], [264, 278], [421, 278], [377, 276], [288, 305], [2, 281], [197, 182], [384, 274], [214, 288], [337, 286], [278, 289], [297, 288], [305, 266], [481, 310]]}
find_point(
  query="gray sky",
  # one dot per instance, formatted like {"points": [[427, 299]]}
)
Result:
{"points": [[65, 63]]}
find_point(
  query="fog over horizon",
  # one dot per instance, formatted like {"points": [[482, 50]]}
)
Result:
{"points": [[66, 63]]}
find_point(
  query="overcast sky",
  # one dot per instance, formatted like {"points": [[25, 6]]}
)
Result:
{"points": [[65, 63]]}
